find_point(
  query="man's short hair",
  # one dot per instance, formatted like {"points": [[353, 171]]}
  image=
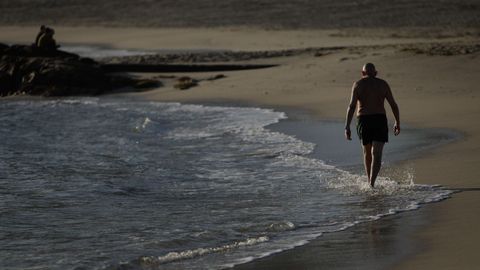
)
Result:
{"points": [[369, 69]]}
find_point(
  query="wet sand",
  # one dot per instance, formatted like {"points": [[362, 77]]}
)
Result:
{"points": [[433, 91], [379, 244]]}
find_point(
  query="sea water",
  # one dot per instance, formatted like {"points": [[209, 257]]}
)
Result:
{"points": [[102, 51], [90, 183], [99, 52]]}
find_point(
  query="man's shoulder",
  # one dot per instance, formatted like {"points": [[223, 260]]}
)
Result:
{"points": [[359, 82], [381, 80], [365, 80]]}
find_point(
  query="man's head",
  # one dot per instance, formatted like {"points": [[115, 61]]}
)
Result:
{"points": [[49, 31], [369, 70]]}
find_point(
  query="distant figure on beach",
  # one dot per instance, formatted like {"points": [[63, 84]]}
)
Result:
{"points": [[40, 34], [46, 41], [369, 93]]}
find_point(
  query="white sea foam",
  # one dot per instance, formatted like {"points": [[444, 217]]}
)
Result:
{"points": [[144, 124], [281, 226], [189, 254], [245, 121], [82, 101]]}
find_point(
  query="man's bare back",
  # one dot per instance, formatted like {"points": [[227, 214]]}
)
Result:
{"points": [[370, 94]]}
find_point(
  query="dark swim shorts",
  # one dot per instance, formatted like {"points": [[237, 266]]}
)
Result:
{"points": [[372, 127]]}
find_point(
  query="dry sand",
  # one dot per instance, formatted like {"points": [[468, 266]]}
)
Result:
{"points": [[432, 91]]}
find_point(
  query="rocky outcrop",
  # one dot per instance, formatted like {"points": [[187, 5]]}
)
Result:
{"points": [[28, 70], [185, 82], [32, 71], [445, 49]]}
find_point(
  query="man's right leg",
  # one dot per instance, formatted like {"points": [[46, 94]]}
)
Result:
{"points": [[367, 159]]}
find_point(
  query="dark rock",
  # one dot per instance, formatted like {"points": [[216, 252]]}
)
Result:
{"points": [[3, 47], [184, 83], [30, 70], [6, 83], [216, 77], [147, 83], [86, 60], [53, 76], [33, 51]]}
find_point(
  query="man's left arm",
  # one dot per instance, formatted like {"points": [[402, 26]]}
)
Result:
{"points": [[395, 110]]}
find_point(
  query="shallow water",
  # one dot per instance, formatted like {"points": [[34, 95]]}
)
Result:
{"points": [[93, 51], [98, 52], [92, 183]]}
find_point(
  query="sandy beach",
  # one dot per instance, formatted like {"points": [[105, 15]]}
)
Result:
{"points": [[433, 77]]}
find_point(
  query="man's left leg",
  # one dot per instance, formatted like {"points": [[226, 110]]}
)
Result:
{"points": [[367, 159], [377, 150]]}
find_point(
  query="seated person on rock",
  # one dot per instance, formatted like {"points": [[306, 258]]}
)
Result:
{"points": [[46, 41]]}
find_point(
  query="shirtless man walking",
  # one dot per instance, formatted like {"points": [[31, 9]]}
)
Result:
{"points": [[369, 93]]}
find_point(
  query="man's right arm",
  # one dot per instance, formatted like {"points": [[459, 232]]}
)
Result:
{"points": [[351, 111]]}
